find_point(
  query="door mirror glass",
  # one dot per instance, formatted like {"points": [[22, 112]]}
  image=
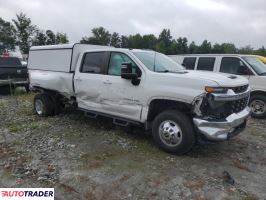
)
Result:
{"points": [[126, 71]]}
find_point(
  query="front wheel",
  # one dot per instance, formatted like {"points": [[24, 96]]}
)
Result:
{"points": [[173, 132], [257, 104]]}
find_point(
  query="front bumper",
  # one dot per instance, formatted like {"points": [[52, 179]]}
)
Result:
{"points": [[222, 130]]}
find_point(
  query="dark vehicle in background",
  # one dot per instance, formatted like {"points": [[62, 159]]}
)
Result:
{"points": [[12, 74]]}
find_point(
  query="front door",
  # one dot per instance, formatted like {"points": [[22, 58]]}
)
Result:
{"points": [[123, 99]]}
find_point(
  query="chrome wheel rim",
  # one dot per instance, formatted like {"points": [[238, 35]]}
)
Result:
{"points": [[258, 107], [170, 133], [39, 106]]}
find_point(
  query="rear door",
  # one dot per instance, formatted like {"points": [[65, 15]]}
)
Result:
{"points": [[89, 81]]}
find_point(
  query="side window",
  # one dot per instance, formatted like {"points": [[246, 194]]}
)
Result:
{"points": [[233, 65], [93, 63], [206, 63], [116, 60], [189, 62]]}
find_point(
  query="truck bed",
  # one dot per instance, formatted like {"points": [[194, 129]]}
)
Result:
{"points": [[52, 80]]}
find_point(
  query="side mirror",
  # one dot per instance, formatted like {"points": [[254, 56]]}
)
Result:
{"points": [[127, 73]]}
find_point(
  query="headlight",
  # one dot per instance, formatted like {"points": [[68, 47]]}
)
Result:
{"points": [[210, 89]]}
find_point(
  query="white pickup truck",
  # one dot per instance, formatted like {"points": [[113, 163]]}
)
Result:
{"points": [[140, 87]]}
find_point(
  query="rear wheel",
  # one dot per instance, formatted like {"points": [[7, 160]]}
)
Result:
{"points": [[173, 132], [43, 105], [257, 104]]}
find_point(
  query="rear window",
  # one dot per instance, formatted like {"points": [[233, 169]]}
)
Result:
{"points": [[206, 64], [189, 62], [9, 62]]}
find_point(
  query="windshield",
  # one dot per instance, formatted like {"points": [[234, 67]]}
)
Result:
{"points": [[256, 64], [158, 62]]}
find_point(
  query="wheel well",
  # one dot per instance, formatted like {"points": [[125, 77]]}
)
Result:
{"points": [[159, 105], [257, 93]]}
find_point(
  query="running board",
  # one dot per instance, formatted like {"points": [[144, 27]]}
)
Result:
{"points": [[120, 122]]}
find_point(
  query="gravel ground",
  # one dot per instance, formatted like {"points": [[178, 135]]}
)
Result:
{"points": [[85, 158]]}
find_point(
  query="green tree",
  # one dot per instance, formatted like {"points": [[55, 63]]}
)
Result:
{"points": [[164, 42], [229, 48], [261, 51], [7, 35], [115, 40], [135, 41], [50, 37], [180, 46], [100, 36], [149, 41], [205, 47], [40, 38], [61, 38], [193, 48], [246, 50], [25, 32], [124, 41]]}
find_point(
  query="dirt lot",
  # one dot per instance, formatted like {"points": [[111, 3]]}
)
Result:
{"points": [[93, 159]]}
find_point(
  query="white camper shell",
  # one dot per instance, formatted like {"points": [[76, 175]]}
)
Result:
{"points": [[57, 63]]}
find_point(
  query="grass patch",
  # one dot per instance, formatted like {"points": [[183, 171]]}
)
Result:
{"points": [[25, 110]]}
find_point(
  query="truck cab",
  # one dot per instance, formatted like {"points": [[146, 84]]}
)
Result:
{"points": [[140, 87], [248, 66]]}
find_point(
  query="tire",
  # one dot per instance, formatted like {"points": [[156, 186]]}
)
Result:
{"points": [[176, 123], [43, 105], [257, 104]]}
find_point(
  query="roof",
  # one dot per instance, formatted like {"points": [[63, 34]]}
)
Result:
{"points": [[63, 46], [212, 55]]}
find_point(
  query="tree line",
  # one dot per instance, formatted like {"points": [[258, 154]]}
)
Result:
{"points": [[23, 33]]}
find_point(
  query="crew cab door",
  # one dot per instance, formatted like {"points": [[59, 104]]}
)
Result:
{"points": [[123, 99], [89, 81]]}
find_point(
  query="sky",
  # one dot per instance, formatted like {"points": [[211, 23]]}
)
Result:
{"points": [[242, 22]]}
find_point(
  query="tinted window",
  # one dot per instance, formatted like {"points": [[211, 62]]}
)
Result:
{"points": [[9, 62], [93, 62], [116, 60], [233, 65], [206, 64], [189, 62]]}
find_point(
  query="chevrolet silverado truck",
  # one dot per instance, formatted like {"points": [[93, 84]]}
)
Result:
{"points": [[12, 74], [140, 87]]}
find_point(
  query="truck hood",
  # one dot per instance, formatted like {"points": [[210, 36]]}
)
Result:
{"points": [[222, 79]]}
